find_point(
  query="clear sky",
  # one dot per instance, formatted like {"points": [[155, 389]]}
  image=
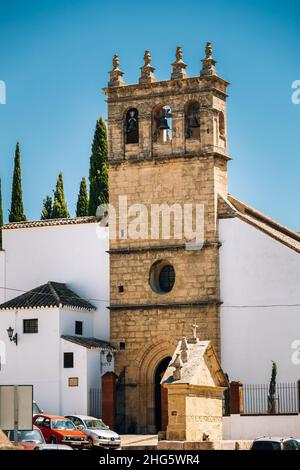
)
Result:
{"points": [[54, 59]]}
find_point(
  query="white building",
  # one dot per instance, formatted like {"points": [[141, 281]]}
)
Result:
{"points": [[57, 322], [260, 293]]}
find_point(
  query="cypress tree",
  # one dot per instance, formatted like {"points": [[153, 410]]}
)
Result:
{"points": [[82, 209], [1, 215], [60, 208], [16, 213], [47, 209], [98, 175]]}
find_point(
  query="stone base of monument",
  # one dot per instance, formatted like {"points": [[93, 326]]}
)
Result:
{"points": [[204, 445]]}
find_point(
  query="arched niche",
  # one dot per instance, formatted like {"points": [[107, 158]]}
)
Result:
{"points": [[131, 126]]}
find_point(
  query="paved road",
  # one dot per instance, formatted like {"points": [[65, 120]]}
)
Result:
{"points": [[138, 440]]}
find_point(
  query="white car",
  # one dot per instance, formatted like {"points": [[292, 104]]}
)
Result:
{"points": [[98, 433]]}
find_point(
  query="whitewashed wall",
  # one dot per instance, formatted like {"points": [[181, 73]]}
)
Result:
{"points": [[251, 427], [74, 400], [73, 254], [69, 317], [36, 358], [257, 270], [2, 275]]}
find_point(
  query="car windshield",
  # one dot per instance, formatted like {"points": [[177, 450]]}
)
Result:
{"points": [[266, 445], [62, 424], [35, 436], [35, 408], [95, 424]]}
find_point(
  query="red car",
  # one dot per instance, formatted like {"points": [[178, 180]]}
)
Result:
{"points": [[59, 430]]}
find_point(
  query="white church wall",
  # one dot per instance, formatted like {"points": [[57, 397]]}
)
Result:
{"points": [[35, 359], [251, 427], [73, 254], [260, 314]]}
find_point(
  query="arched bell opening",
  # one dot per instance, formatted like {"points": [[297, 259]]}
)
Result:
{"points": [[192, 120], [162, 124]]}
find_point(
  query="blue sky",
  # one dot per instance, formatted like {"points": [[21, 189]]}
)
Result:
{"points": [[55, 55]]}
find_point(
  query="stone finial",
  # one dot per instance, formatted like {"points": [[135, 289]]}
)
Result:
{"points": [[179, 67], [184, 350], [116, 75], [208, 63], [178, 364], [147, 71]]}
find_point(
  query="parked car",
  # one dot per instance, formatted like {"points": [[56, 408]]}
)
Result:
{"points": [[60, 430], [29, 440], [36, 410], [54, 447], [98, 433], [275, 443]]}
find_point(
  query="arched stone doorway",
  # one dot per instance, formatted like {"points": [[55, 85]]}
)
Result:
{"points": [[161, 397], [148, 366]]}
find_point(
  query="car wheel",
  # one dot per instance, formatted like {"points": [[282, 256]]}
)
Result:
{"points": [[53, 440], [91, 442]]}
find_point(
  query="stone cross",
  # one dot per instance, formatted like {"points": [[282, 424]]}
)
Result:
{"points": [[194, 331]]}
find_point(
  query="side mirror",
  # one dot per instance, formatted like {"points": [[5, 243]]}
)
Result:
{"points": [[80, 427]]}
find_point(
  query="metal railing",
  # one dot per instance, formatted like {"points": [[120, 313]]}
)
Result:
{"points": [[95, 402], [256, 398]]}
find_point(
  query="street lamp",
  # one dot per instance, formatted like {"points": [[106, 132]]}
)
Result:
{"points": [[12, 337], [109, 357]]}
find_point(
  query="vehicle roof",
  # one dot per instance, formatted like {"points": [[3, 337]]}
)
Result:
{"points": [[274, 439], [83, 416], [42, 415]]}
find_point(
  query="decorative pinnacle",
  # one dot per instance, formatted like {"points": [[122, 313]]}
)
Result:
{"points": [[208, 63], [147, 58], [179, 66], [116, 75], [147, 71], [178, 364], [184, 350]]}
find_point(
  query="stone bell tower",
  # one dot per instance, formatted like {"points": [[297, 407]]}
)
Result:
{"points": [[167, 150]]}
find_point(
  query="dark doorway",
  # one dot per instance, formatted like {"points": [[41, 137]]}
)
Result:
{"points": [[161, 405]]}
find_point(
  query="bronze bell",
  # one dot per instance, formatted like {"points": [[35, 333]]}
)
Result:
{"points": [[194, 122], [164, 115], [164, 124]]}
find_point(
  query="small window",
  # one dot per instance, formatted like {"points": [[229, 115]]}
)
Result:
{"points": [[68, 360], [78, 327], [120, 289], [122, 346], [31, 326]]}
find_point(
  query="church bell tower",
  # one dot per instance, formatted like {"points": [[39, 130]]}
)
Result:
{"points": [[167, 152]]}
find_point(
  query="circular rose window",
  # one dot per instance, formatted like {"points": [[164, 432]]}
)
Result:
{"points": [[162, 277]]}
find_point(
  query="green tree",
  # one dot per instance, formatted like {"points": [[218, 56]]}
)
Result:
{"points": [[98, 175], [60, 208], [16, 213], [82, 209], [1, 215], [47, 209], [272, 390]]}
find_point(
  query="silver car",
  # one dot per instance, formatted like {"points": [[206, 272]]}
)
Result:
{"points": [[98, 433]]}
